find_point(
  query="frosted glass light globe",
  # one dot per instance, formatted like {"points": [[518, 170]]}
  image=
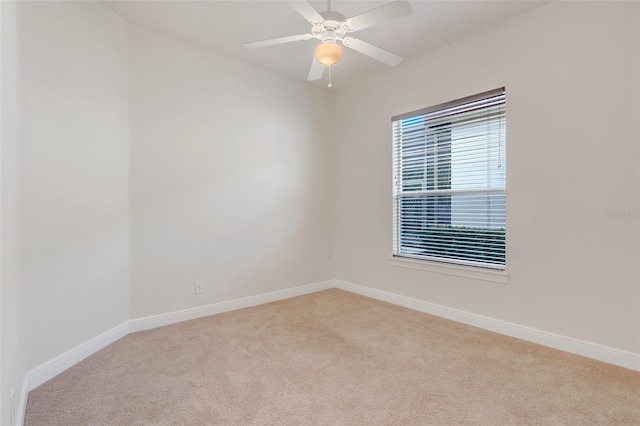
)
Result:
{"points": [[329, 53]]}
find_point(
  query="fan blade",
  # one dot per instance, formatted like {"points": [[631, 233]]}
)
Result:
{"points": [[279, 40], [307, 12], [316, 71], [375, 52], [387, 12]]}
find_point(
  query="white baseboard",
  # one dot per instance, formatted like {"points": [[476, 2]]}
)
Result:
{"points": [[575, 346], [22, 403], [37, 376], [154, 321]]}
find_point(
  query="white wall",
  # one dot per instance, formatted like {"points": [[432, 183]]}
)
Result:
{"points": [[571, 75], [65, 181], [230, 178], [13, 342]]}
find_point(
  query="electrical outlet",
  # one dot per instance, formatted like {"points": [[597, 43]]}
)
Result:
{"points": [[330, 265], [12, 407], [313, 268], [199, 289]]}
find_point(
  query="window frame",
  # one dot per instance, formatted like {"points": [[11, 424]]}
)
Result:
{"points": [[482, 270]]}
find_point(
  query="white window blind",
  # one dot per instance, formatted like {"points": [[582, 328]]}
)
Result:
{"points": [[449, 168]]}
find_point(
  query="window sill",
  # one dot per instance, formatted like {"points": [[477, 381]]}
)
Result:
{"points": [[460, 271]]}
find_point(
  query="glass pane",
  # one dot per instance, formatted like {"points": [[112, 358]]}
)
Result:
{"points": [[461, 227]]}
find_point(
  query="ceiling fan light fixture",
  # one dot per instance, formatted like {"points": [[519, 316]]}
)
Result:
{"points": [[329, 53]]}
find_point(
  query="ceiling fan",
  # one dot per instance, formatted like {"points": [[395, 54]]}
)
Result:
{"points": [[331, 27]]}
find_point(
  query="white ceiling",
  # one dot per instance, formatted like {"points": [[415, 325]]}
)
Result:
{"points": [[223, 26]]}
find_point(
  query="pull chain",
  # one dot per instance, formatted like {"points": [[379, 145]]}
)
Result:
{"points": [[329, 10]]}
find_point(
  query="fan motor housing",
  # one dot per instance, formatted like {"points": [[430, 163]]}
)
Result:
{"points": [[331, 28]]}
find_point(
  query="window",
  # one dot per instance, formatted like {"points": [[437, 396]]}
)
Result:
{"points": [[449, 198]]}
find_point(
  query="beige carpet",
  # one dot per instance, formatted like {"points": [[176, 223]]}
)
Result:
{"points": [[333, 358]]}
